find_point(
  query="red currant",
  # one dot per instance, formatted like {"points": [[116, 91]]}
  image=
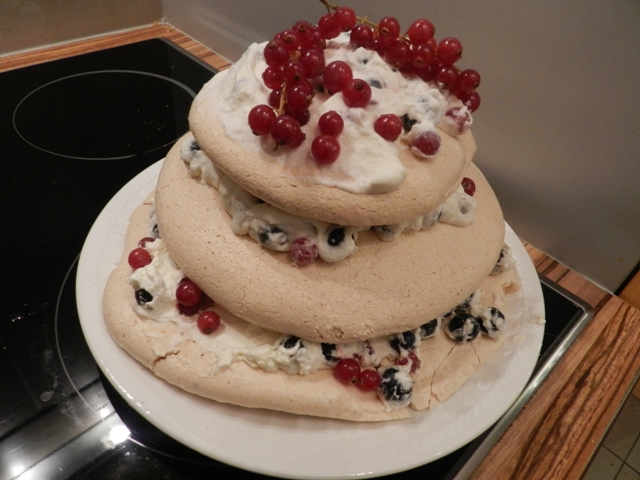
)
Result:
{"points": [[290, 40], [449, 50], [388, 126], [411, 357], [285, 130], [468, 80], [456, 121], [336, 75], [368, 380], [447, 77], [313, 61], [301, 116], [275, 97], [421, 31], [469, 186], [346, 370], [318, 37], [188, 293], [188, 310], [427, 143], [298, 98], [471, 100], [325, 149], [331, 123], [330, 25], [275, 53], [260, 119], [361, 36], [208, 322], [421, 56], [273, 77], [304, 31], [398, 53], [294, 72], [346, 18], [138, 258], [303, 251], [143, 241], [388, 30], [356, 93]]}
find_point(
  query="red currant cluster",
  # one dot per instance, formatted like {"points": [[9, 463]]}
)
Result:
{"points": [[188, 294], [296, 65], [348, 371]]}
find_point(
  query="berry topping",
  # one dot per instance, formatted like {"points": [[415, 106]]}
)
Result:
{"points": [[449, 50], [421, 31], [396, 386], [468, 80], [336, 236], [188, 293], [303, 251], [356, 93], [346, 370], [273, 237], [469, 186], [388, 126], [295, 58], [368, 380], [346, 18], [388, 31], [143, 297], [291, 343], [273, 77], [139, 258], [429, 329], [260, 119], [336, 75], [331, 123], [492, 322], [404, 341], [188, 311], [411, 359], [285, 130], [361, 36], [325, 149], [426, 144], [328, 350], [456, 121], [208, 322], [463, 327]]}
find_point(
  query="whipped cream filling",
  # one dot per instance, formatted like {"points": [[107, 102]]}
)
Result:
{"points": [[238, 340], [367, 162], [275, 229]]}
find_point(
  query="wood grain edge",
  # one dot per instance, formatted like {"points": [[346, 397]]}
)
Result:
{"points": [[56, 52], [561, 427]]}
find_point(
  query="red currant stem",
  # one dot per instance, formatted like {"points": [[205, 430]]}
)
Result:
{"points": [[283, 94]]}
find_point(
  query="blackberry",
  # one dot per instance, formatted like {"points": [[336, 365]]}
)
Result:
{"points": [[429, 329], [143, 297], [336, 236], [405, 341], [396, 386], [463, 327], [492, 322], [327, 350], [273, 237]]}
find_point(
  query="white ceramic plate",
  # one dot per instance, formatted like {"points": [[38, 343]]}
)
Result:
{"points": [[291, 446]]}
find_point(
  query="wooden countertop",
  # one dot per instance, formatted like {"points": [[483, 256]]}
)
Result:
{"points": [[559, 430]]}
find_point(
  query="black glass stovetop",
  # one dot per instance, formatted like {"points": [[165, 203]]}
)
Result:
{"points": [[74, 131]]}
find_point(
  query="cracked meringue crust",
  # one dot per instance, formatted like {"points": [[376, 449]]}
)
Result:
{"points": [[383, 288]]}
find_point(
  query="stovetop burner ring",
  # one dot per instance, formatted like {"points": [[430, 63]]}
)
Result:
{"points": [[110, 114]]}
